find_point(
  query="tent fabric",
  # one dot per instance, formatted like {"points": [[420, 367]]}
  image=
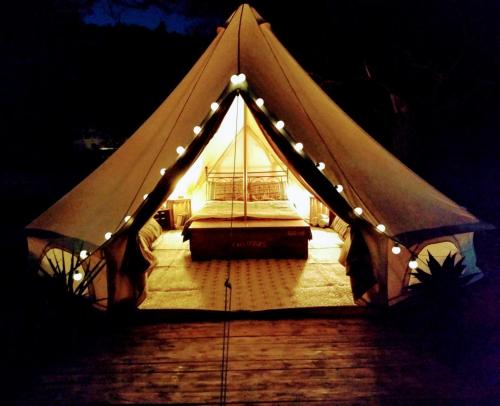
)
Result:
{"points": [[388, 192], [372, 178]]}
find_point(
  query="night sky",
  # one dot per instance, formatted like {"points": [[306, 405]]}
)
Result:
{"points": [[79, 67]]}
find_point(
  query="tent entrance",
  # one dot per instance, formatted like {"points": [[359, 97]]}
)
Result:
{"points": [[239, 149], [178, 282]]}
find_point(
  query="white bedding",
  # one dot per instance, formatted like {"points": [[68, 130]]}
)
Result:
{"points": [[259, 210]]}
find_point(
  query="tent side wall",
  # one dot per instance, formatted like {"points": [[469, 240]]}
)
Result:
{"points": [[398, 273], [39, 251]]}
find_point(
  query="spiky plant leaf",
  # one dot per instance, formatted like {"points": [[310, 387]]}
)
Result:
{"points": [[422, 276], [89, 277], [59, 276], [449, 263], [435, 267], [459, 266], [443, 280]]}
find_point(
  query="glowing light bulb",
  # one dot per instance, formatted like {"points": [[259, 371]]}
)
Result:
{"points": [[380, 228], [299, 146], [279, 124], [259, 102], [339, 188], [180, 150], [127, 218], [238, 79], [413, 264], [197, 129], [145, 196], [108, 235], [321, 166], [77, 276], [163, 171], [358, 211], [84, 254], [214, 106], [396, 250]]}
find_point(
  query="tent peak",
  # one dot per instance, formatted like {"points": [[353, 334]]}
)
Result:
{"points": [[246, 8]]}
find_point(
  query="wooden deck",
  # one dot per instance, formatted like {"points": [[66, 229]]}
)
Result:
{"points": [[398, 357], [329, 361]]}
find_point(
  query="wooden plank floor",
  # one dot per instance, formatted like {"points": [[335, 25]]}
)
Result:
{"points": [[398, 357], [340, 360]]}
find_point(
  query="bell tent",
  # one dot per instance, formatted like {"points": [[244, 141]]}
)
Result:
{"points": [[247, 107]]}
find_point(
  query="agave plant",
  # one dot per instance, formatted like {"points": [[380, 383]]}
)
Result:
{"points": [[443, 281], [69, 274]]}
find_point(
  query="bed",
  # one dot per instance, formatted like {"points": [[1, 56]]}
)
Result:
{"points": [[270, 228]]}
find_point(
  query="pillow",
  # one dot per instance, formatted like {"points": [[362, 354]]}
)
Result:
{"points": [[225, 189], [266, 188], [340, 227], [148, 234]]}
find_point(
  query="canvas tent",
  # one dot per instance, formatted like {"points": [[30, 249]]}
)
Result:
{"points": [[104, 213]]}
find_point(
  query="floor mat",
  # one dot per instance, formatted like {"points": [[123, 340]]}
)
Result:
{"points": [[257, 284]]}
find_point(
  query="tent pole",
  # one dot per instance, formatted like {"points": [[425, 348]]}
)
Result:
{"points": [[245, 179], [206, 183]]}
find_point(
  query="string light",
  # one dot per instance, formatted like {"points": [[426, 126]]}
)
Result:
{"points": [[321, 166], [214, 106], [197, 130], [108, 235], [413, 264], [77, 276], [180, 150], [396, 250], [238, 79], [279, 124], [84, 254], [339, 188], [259, 102], [358, 211], [380, 228], [127, 218], [163, 171], [145, 196], [299, 146]]}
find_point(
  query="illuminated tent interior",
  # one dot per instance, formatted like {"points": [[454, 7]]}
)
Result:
{"points": [[391, 218], [239, 147]]}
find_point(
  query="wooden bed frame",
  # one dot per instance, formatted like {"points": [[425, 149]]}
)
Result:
{"points": [[249, 239], [210, 239]]}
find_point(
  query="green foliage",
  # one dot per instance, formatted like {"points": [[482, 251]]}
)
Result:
{"points": [[443, 280]]}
